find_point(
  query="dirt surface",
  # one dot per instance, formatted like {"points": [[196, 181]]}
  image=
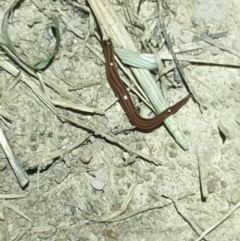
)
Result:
{"points": [[83, 186]]}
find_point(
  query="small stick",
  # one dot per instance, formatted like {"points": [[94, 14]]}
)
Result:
{"points": [[121, 210], [218, 223], [175, 60], [110, 138], [186, 216], [15, 209], [12, 196], [139, 6], [218, 45], [147, 209], [18, 170], [201, 157]]}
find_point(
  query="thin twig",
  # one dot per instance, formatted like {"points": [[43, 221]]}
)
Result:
{"points": [[175, 60], [186, 216], [14, 162], [218, 223], [147, 209], [218, 45], [201, 156], [110, 138], [118, 212], [10, 206]]}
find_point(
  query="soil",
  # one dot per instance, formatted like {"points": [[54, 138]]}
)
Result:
{"points": [[83, 186]]}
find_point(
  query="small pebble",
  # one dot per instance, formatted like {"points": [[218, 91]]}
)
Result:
{"points": [[97, 184], [211, 186], [33, 136], [216, 104], [3, 166], [86, 155], [214, 50], [120, 191], [235, 196], [75, 152], [224, 184]]}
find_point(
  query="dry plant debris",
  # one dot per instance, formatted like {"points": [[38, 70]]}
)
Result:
{"points": [[72, 166]]}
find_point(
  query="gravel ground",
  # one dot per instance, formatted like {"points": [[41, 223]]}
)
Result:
{"points": [[85, 184]]}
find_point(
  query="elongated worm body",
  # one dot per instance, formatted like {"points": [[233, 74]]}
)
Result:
{"points": [[124, 98]]}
